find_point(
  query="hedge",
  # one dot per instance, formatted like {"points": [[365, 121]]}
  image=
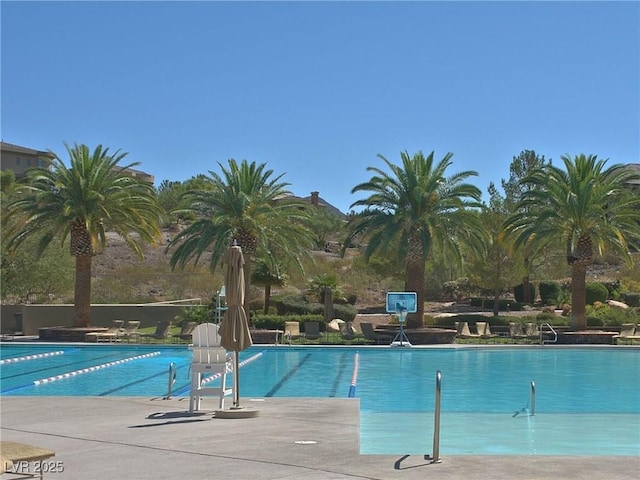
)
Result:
{"points": [[549, 292]]}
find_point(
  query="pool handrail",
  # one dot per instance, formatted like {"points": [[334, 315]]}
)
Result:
{"points": [[544, 341], [435, 457], [532, 399], [173, 373]]}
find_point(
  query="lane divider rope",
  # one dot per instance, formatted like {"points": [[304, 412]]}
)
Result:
{"points": [[354, 377], [92, 369], [30, 357], [241, 364]]}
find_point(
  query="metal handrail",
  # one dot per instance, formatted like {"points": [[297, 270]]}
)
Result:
{"points": [[173, 374], [532, 399], [555, 334], [435, 458]]}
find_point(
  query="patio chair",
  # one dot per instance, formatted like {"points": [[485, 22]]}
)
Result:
{"points": [[186, 330], [130, 331], [209, 359], [111, 335], [484, 330], [161, 333], [532, 331], [462, 331], [516, 332], [370, 334], [348, 331], [291, 331], [311, 330], [628, 332]]}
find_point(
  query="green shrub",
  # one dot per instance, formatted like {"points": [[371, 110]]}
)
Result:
{"points": [[631, 298], [593, 321], [596, 292], [344, 312], [504, 305], [196, 313], [613, 287], [295, 304], [476, 302], [604, 315], [546, 317], [276, 322], [549, 292], [451, 290], [518, 292]]}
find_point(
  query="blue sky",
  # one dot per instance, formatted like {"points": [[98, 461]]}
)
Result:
{"points": [[316, 90]]}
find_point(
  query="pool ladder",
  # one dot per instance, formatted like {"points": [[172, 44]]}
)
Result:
{"points": [[544, 341], [532, 399], [435, 457], [173, 373]]}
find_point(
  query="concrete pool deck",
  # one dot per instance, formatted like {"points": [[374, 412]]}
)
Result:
{"points": [[141, 438]]}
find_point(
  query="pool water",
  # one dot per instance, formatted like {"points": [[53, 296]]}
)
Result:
{"points": [[587, 400]]}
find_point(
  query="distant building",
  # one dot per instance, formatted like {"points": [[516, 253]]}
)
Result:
{"points": [[320, 202], [143, 176], [20, 159], [317, 201], [635, 167]]}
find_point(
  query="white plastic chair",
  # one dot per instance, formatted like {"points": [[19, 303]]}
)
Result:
{"points": [[209, 358]]}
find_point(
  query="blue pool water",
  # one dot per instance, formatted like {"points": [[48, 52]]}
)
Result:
{"points": [[587, 399]]}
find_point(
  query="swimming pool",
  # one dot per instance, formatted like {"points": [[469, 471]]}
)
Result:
{"points": [[587, 399]]}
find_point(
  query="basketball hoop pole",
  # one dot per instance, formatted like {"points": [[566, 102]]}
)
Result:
{"points": [[401, 339], [401, 303]]}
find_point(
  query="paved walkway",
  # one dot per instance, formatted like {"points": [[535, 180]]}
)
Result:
{"points": [[138, 438]]}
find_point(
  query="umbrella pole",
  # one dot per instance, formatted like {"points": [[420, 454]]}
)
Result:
{"points": [[236, 381]]}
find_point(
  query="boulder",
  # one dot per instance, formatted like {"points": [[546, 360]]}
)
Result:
{"points": [[616, 304], [334, 325]]}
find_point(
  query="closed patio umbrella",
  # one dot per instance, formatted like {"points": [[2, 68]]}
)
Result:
{"points": [[234, 328]]}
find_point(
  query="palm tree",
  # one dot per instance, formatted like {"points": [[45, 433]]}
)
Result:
{"points": [[246, 205], [418, 207], [83, 202], [585, 205], [266, 276]]}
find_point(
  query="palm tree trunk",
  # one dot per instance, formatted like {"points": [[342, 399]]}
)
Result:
{"points": [[415, 283], [578, 296], [496, 303], [246, 268], [267, 298], [82, 295]]}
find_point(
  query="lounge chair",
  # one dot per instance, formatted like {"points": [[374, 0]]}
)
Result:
{"points": [[291, 331], [516, 331], [111, 335], [130, 331], [186, 331], [370, 334], [209, 359], [161, 333], [462, 331], [348, 331], [532, 331], [311, 330], [628, 332], [484, 330]]}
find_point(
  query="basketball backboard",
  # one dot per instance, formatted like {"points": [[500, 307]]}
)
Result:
{"points": [[402, 302]]}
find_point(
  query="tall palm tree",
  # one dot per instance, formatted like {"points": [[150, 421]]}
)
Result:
{"points": [[82, 202], [587, 206], [418, 207], [247, 205]]}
